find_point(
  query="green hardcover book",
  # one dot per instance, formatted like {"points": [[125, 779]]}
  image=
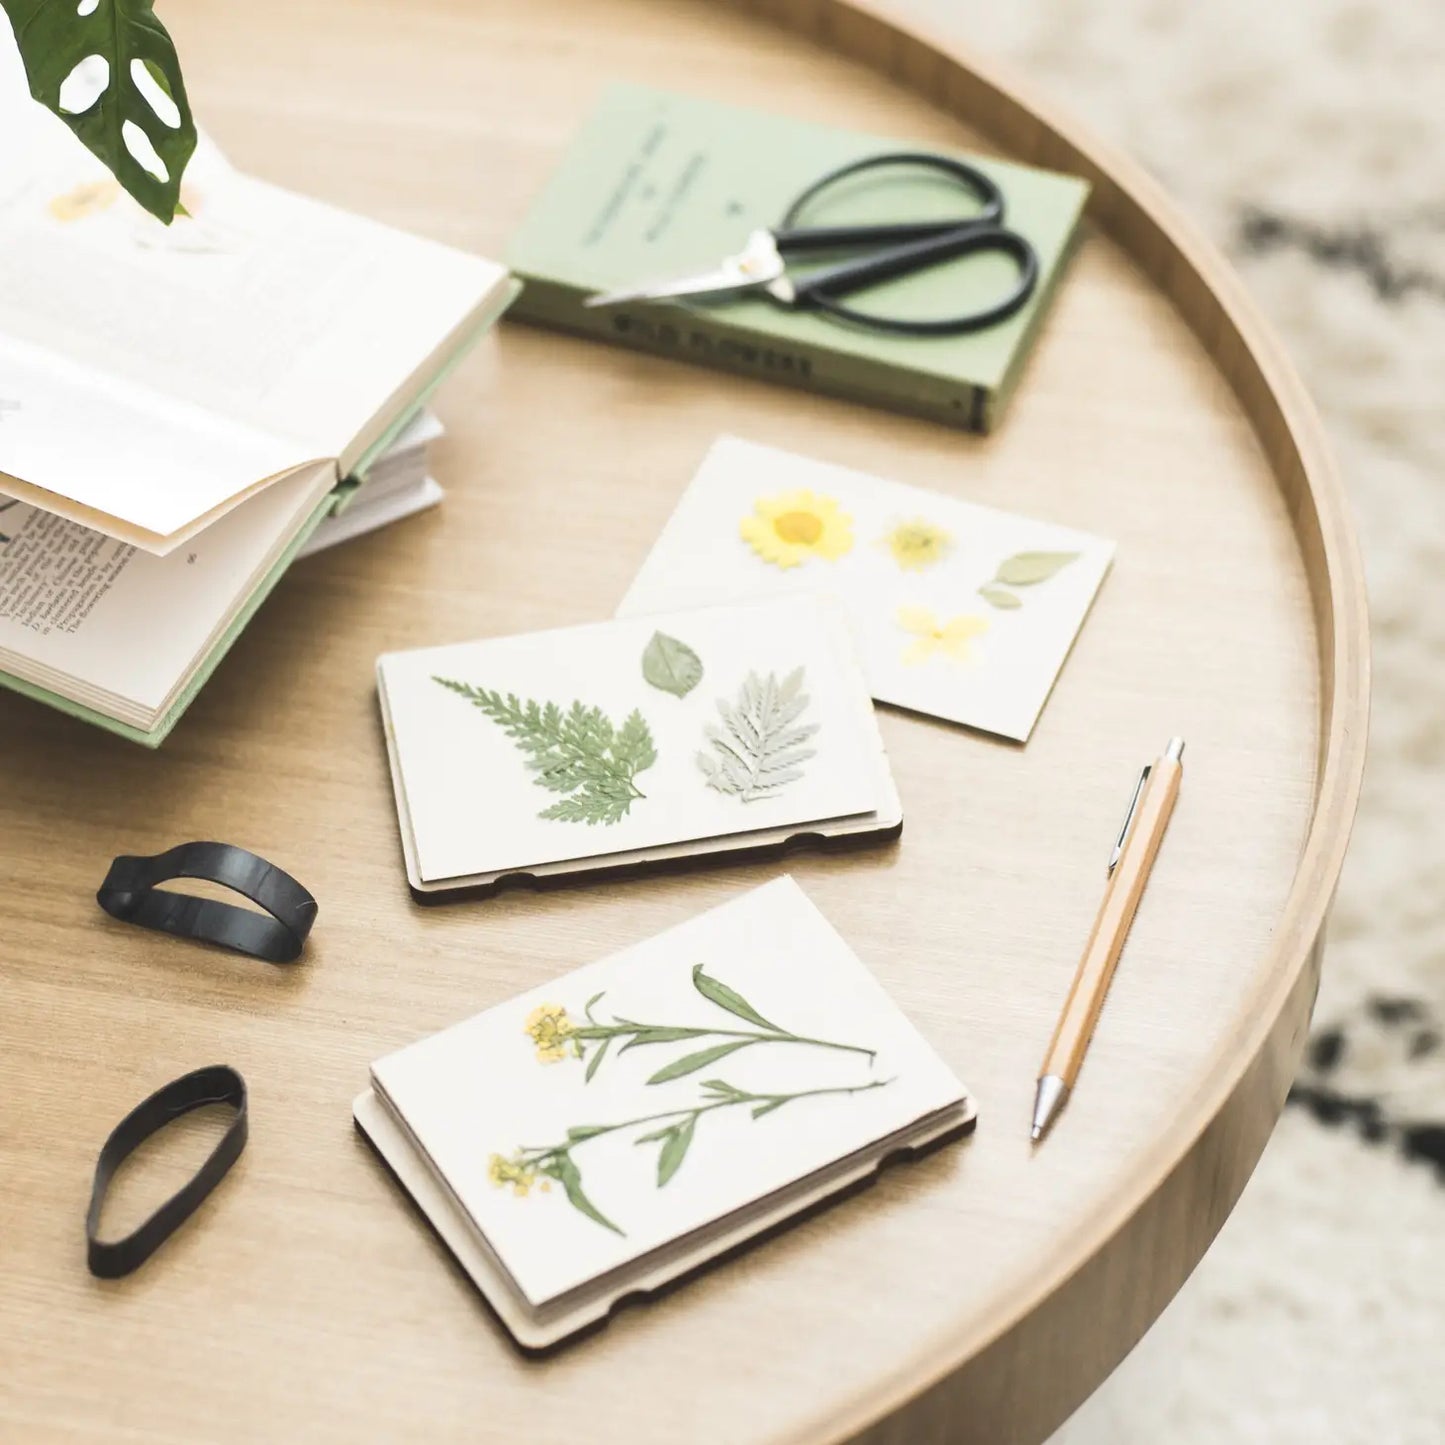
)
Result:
{"points": [[659, 184]]}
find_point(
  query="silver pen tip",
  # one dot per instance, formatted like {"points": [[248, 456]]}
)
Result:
{"points": [[1050, 1097]]}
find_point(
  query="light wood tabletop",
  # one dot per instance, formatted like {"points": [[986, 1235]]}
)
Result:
{"points": [[977, 1296]]}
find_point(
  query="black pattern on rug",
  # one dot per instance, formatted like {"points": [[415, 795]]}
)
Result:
{"points": [[1399, 1038], [1368, 249]]}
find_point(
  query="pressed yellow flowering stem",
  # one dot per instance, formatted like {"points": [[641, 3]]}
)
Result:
{"points": [[677, 1035], [774, 1101]]}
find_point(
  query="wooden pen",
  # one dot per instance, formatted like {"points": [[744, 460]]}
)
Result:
{"points": [[1129, 868]]}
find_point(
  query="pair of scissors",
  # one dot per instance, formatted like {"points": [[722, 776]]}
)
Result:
{"points": [[883, 252]]}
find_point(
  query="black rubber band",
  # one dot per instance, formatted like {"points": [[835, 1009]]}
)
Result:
{"points": [[218, 1084], [129, 893]]}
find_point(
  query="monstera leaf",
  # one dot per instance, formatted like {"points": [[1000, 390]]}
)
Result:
{"points": [[55, 36]]}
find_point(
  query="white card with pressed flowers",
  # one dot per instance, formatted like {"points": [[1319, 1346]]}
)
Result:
{"points": [[959, 611], [618, 739], [589, 1123]]}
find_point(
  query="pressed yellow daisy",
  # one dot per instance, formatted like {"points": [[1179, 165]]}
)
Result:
{"points": [[788, 529], [551, 1031], [954, 638], [503, 1171], [85, 200], [917, 544]]}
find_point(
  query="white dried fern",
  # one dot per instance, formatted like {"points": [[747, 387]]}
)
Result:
{"points": [[758, 750]]}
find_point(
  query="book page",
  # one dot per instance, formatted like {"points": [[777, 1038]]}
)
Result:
{"points": [[145, 465], [110, 626], [274, 314]]}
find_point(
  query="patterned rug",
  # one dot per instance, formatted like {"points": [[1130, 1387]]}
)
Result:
{"points": [[1304, 136]]}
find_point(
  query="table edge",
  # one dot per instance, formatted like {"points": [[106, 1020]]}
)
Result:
{"points": [[1015, 1374]]}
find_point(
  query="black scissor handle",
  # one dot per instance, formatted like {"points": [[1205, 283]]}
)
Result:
{"points": [[822, 289], [901, 248], [790, 236]]}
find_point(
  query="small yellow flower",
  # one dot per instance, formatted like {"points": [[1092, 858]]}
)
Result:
{"points": [[85, 200], [503, 1171], [917, 544], [551, 1031], [954, 638], [787, 529]]}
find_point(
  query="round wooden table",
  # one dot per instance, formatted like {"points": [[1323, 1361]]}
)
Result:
{"points": [[978, 1296]]}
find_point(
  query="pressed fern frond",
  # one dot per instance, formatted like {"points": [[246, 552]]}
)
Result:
{"points": [[577, 751], [758, 750]]}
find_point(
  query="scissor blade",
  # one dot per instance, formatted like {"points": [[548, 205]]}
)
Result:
{"points": [[709, 283], [757, 264]]}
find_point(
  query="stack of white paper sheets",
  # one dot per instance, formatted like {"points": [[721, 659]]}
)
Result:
{"points": [[612, 1130], [632, 742]]}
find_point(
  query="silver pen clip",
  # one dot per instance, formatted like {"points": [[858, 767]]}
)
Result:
{"points": [[1129, 819]]}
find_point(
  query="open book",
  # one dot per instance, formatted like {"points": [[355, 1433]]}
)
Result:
{"points": [[178, 404], [151, 378]]}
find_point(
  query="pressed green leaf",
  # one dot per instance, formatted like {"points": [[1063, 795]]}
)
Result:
{"points": [[595, 1062], [634, 748], [723, 1088], [1026, 568], [660, 1036], [674, 1150], [652, 1138], [691, 1063], [578, 1132], [577, 752], [768, 1107], [54, 37], [671, 665], [746, 754], [570, 1177], [725, 997], [999, 597]]}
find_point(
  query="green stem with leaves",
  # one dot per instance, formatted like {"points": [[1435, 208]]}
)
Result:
{"points": [[556, 1162], [641, 1034]]}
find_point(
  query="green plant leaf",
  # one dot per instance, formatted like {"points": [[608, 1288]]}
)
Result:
{"points": [[674, 1150], [54, 37], [759, 750], [1026, 568], [723, 1089], [670, 665], [594, 1063], [768, 1107], [578, 1132], [577, 752], [660, 1036], [691, 1063], [999, 597], [725, 997], [570, 1177]]}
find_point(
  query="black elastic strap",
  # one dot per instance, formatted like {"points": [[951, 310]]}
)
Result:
{"points": [[130, 894], [218, 1084]]}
